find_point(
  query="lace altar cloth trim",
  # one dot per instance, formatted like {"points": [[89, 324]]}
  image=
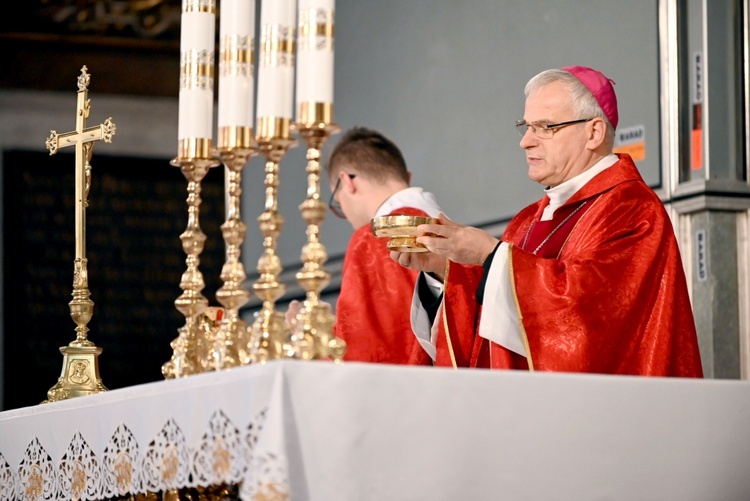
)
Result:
{"points": [[226, 453]]}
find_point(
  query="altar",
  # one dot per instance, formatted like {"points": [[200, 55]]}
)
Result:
{"points": [[315, 430]]}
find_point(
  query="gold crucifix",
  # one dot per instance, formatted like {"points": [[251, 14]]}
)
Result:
{"points": [[80, 373]]}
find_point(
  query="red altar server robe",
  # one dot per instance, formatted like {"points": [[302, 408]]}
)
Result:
{"points": [[614, 300], [373, 308]]}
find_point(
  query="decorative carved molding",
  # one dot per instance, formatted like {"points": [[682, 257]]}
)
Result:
{"points": [[144, 19], [133, 44]]}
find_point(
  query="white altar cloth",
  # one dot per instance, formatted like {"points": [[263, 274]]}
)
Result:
{"points": [[323, 431]]}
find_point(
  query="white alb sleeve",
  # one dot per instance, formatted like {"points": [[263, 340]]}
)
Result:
{"points": [[499, 322]]}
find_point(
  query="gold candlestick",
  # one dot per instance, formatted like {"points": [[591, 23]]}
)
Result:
{"points": [[195, 341], [270, 332], [233, 342], [313, 335], [193, 345], [80, 373]]}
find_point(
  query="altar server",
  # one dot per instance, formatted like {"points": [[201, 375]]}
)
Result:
{"points": [[369, 178]]}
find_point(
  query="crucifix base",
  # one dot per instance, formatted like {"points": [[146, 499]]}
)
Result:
{"points": [[80, 374]]}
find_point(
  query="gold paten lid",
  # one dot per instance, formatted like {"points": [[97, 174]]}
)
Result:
{"points": [[401, 231]]}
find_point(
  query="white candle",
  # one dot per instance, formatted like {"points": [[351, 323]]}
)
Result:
{"points": [[196, 100], [236, 64], [315, 53], [276, 61]]}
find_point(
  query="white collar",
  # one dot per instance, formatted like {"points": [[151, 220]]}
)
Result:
{"points": [[561, 193], [410, 197]]}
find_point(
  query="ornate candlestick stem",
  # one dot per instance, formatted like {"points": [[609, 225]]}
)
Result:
{"points": [[273, 119], [313, 335], [192, 346], [235, 147], [269, 331], [234, 335]]}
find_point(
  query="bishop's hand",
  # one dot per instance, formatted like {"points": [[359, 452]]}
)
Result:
{"points": [[456, 242]]}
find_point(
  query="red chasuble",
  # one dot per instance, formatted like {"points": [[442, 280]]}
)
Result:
{"points": [[374, 305], [606, 293]]}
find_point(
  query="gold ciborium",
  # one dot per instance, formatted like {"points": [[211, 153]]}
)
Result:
{"points": [[401, 230]]}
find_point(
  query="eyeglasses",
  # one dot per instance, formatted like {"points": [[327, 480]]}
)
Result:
{"points": [[543, 130], [333, 204]]}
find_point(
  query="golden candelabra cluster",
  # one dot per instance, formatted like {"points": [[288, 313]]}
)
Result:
{"points": [[217, 338]]}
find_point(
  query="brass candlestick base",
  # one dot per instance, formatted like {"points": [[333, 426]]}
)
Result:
{"points": [[233, 341], [313, 336], [270, 336], [193, 345], [270, 333]]}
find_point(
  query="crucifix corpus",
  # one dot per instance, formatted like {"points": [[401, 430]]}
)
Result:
{"points": [[80, 372]]}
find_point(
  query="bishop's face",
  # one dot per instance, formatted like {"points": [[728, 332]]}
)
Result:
{"points": [[562, 156]]}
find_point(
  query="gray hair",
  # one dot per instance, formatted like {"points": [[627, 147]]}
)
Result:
{"points": [[583, 101]]}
